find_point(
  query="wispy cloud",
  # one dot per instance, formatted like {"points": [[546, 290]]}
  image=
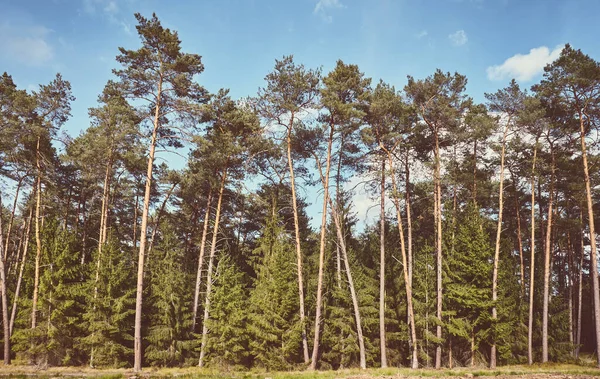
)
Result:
{"points": [[458, 38], [421, 34], [108, 9], [324, 7], [26, 44], [524, 67]]}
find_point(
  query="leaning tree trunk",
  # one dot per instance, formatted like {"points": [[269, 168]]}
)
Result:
{"points": [[548, 248], [532, 264], [355, 306], [137, 341], [319, 307], [405, 270], [38, 240], [298, 247], [201, 260], [593, 251], [5, 321], [382, 268], [213, 249], [438, 222], [497, 251], [13, 312], [12, 218]]}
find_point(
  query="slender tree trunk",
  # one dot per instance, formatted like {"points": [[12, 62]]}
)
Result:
{"points": [[438, 221], [593, 251], [14, 262], [38, 241], [519, 235], [408, 221], [570, 289], [407, 282], [548, 248], [201, 259], [298, 247], [84, 236], [342, 242], [103, 223], [319, 306], [5, 321], [497, 251], [161, 210], [532, 264], [135, 219], [382, 268], [12, 218], [580, 289], [213, 249], [13, 312], [137, 341], [473, 347]]}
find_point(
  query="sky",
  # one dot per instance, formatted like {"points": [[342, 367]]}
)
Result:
{"points": [[489, 41]]}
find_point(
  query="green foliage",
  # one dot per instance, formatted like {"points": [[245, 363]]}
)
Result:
{"points": [[169, 338], [273, 319], [110, 308]]}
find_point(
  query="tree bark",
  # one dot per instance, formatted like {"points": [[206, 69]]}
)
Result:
{"points": [[201, 259], [497, 250], [532, 264], [158, 216], [580, 289], [519, 236], [137, 341], [5, 321], [593, 251], [297, 237], [407, 282], [213, 249], [319, 306], [13, 312], [382, 268], [12, 218], [548, 248], [38, 241], [438, 221]]}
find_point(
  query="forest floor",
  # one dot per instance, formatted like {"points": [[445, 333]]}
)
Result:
{"points": [[538, 371]]}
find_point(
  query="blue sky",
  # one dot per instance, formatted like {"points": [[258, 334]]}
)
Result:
{"points": [[490, 41]]}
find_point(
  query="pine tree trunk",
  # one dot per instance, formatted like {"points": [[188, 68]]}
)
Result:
{"points": [[38, 241], [497, 251], [570, 289], [298, 247], [532, 264], [382, 269], [158, 216], [213, 249], [355, 306], [408, 221], [201, 260], [319, 306], [137, 341], [12, 218], [135, 219], [580, 290], [13, 312], [519, 236], [593, 251], [548, 248], [84, 236], [438, 221], [5, 321], [407, 282], [102, 232]]}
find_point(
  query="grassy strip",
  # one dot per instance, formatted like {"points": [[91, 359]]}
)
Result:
{"points": [[193, 372]]}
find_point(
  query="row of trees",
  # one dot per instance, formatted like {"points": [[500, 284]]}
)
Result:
{"points": [[484, 249]]}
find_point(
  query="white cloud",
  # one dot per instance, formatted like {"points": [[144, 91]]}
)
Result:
{"points": [[26, 44], [324, 6], [111, 7], [422, 34], [458, 38], [523, 67]]}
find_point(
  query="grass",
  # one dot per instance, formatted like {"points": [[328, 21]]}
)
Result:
{"points": [[194, 372]]}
